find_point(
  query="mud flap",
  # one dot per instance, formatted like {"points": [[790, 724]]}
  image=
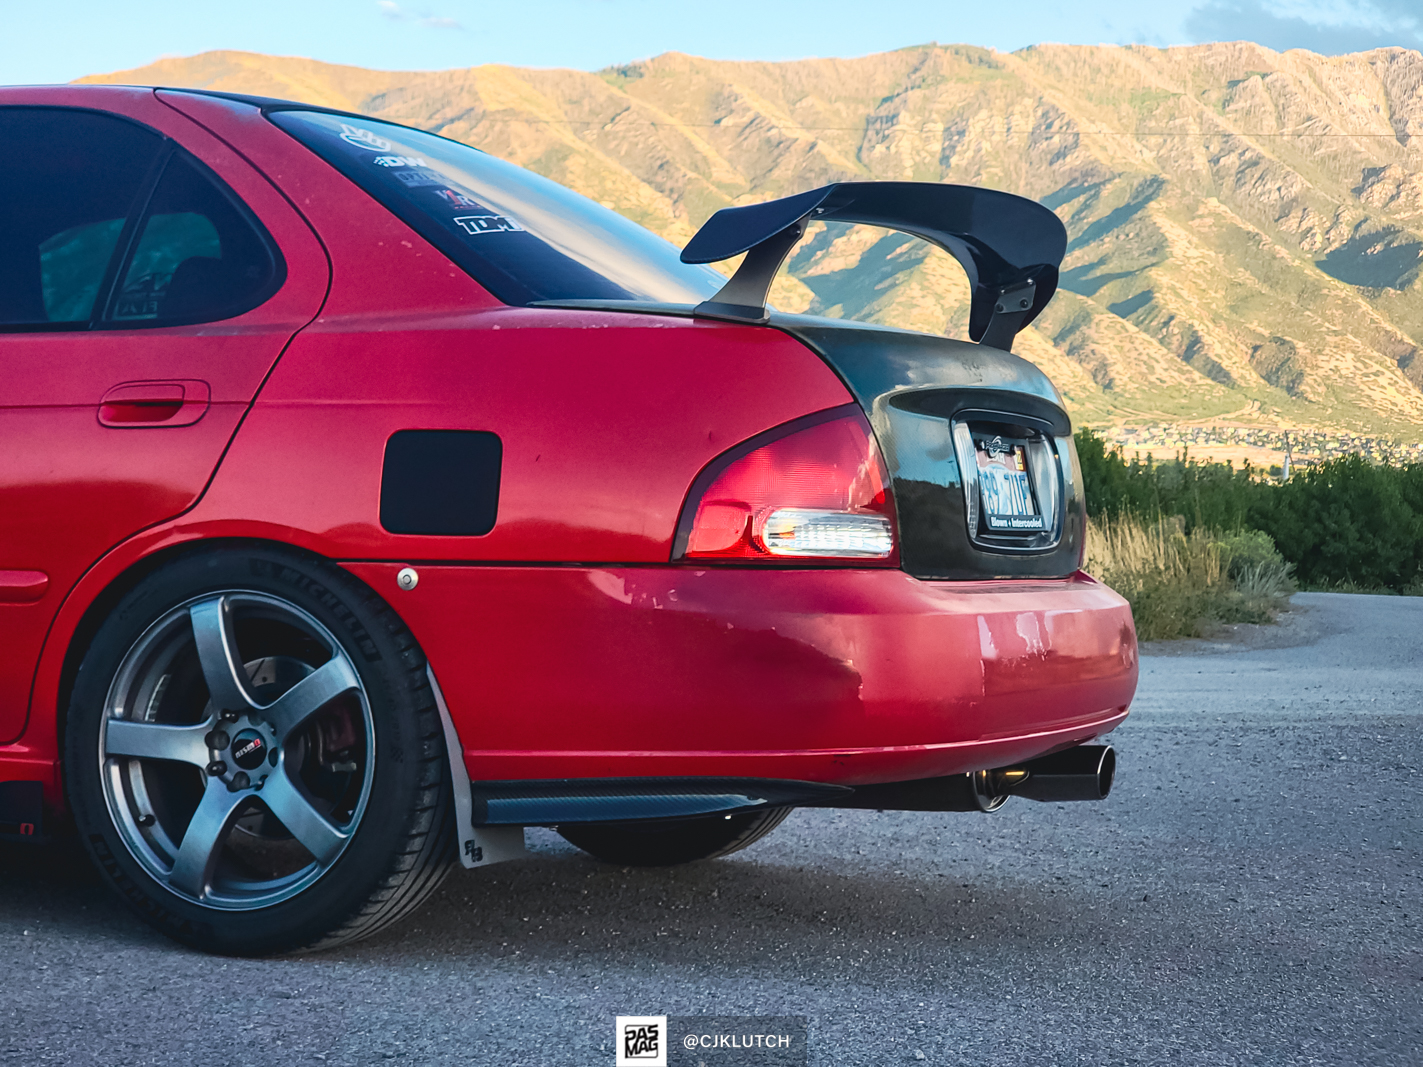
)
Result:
{"points": [[22, 812], [478, 846]]}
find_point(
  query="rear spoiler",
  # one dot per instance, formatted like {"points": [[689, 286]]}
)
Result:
{"points": [[1009, 246]]}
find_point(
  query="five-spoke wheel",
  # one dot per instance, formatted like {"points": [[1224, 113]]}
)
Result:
{"points": [[237, 733], [236, 774]]}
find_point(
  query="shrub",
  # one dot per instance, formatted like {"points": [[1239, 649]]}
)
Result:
{"points": [[1213, 495], [1342, 523], [1261, 575], [1347, 522], [1180, 582], [1250, 549]]}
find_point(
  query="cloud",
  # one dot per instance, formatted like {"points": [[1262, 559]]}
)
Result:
{"points": [[393, 11], [1344, 26]]}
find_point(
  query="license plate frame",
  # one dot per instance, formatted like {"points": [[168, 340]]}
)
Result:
{"points": [[1008, 500]]}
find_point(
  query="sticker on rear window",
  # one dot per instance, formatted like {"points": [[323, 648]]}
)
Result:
{"points": [[477, 224], [399, 161], [418, 179], [457, 200], [364, 138]]}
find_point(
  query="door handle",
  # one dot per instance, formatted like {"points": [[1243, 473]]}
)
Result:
{"points": [[149, 404], [22, 587]]}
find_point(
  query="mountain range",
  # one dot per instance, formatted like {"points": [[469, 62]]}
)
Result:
{"points": [[1246, 226]]}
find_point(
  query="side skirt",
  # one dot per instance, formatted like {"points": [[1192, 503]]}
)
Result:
{"points": [[551, 802]]}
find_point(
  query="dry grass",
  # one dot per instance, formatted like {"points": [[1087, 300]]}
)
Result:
{"points": [[1180, 584]]}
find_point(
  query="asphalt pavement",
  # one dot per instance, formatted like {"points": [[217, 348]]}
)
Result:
{"points": [[1249, 894]]}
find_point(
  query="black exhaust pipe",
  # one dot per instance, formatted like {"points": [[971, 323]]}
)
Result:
{"points": [[1081, 773]]}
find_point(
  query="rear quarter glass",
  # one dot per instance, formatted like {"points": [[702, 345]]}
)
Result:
{"points": [[521, 236], [198, 254]]}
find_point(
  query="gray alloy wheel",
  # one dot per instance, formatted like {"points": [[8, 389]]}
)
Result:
{"points": [[254, 756], [236, 784]]}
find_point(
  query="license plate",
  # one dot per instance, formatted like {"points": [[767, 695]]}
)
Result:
{"points": [[1005, 491]]}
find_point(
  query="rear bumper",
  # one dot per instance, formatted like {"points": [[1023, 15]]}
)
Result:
{"points": [[838, 676]]}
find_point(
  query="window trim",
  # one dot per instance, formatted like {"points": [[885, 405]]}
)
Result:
{"points": [[128, 236], [127, 243]]}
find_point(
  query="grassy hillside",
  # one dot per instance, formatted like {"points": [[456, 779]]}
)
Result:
{"points": [[1246, 226]]}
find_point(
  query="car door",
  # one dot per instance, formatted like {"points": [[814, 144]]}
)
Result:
{"points": [[142, 303]]}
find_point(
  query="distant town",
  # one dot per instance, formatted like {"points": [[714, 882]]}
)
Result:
{"points": [[1265, 449]]}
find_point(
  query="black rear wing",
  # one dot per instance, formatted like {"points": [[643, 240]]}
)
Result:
{"points": [[1009, 246]]}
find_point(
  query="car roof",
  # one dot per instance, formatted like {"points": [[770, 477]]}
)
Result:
{"points": [[266, 103]]}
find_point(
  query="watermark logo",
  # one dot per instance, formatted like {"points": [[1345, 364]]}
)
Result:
{"points": [[712, 1040], [642, 1041]]}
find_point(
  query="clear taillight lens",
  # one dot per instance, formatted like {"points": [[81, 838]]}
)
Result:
{"points": [[815, 490], [807, 532]]}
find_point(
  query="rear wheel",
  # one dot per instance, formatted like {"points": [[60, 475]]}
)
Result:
{"points": [[668, 842], [254, 756]]}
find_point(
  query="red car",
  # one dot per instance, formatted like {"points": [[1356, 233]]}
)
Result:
{"points": [[365, 499]]}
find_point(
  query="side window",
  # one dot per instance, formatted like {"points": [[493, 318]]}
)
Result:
{"points": [[72, 180], [72, 265], [197, 254]]}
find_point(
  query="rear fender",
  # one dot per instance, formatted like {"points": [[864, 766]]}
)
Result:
{"points": [[36, 755]]}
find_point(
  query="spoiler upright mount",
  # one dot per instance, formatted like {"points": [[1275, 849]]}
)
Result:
{"points": [[1009, 246]]}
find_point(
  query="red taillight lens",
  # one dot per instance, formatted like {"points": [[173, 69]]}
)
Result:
{"points": [[816, 490]]}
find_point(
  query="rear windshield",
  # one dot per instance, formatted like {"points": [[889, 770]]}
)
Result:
{"points": [[522, 237]]}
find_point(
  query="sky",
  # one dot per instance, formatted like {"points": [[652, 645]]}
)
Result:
{"points": [[59, 40]]}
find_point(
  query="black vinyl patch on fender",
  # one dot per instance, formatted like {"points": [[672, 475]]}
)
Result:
{"points": [[441, 482]]}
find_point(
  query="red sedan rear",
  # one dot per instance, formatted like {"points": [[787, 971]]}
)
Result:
{"points": [[366, 499]]}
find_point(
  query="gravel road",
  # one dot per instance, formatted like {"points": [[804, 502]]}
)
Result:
{"points": [[1248, 895]]}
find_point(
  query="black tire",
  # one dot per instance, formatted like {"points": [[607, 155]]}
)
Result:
{"points": [[368, 759], [669, 842]]}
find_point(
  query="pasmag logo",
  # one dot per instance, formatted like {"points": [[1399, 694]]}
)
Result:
{"points": [[642, 1041]]}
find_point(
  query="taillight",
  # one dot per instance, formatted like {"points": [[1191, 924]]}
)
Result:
{"points": [[816, 489]]}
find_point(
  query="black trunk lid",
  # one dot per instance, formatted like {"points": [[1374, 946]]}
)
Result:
{"points": [[979, 448]]}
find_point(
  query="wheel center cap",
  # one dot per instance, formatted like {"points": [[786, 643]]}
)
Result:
{"points": [[249, 750]]}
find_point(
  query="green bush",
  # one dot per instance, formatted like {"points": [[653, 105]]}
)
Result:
{"points": [[1179, 583], [1250, 550], [1342, 523], [1346, 522], [1210, 495]]}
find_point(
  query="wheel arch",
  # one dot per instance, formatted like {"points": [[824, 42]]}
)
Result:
{"points": [[89, 602], [81, 637]]}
